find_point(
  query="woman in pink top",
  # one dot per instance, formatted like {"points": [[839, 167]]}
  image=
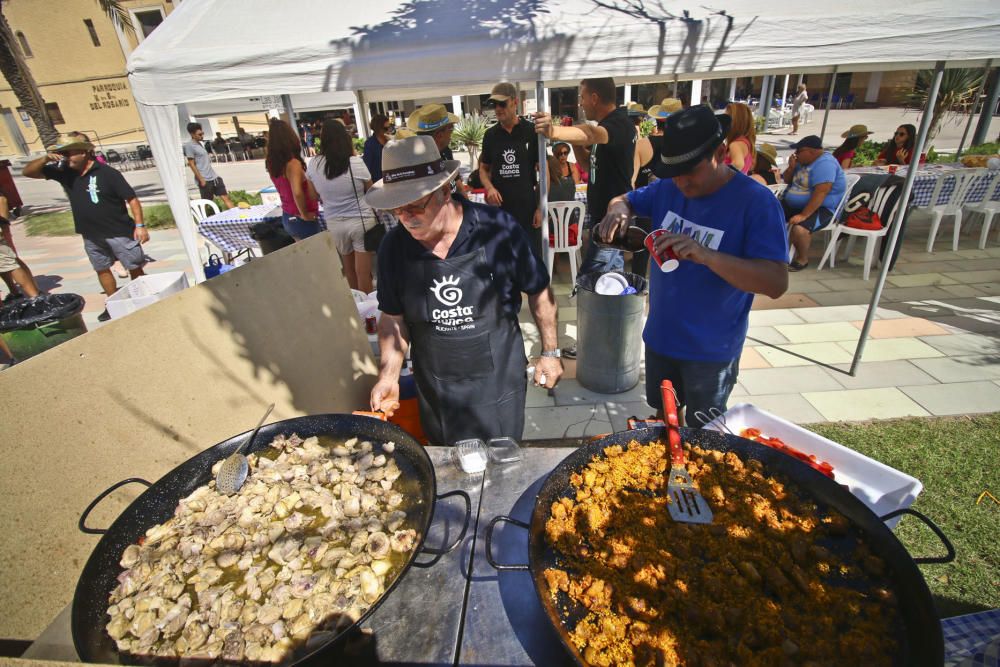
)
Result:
{"points": [[741, 138], [288, 173]]}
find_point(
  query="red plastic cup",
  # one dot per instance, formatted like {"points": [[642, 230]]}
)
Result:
{"points": [[668, 260], [893, 168], [371, 325]]}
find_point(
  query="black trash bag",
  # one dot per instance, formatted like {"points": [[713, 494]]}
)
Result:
{"points": [[270, 235], [43, 309], [587, 281]]}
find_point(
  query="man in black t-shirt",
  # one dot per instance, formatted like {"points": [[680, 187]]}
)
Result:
{"points": [[612, 153], [98, 196], [508, 163]]}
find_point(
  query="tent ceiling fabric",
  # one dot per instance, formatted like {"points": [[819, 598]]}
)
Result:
{"points": [[243, 48]]}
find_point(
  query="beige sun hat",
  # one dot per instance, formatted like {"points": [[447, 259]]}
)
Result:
{"points": [[668, 106], [856, 131], [403, 133], [636, 109], [411, 170], [430, 118], [769, 152], [72, 145]]}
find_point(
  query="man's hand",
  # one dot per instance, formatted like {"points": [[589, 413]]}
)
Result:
{"points": [[53, 157], [684, 247], [141, 234], [201, 182], [536, 222], [309, 216], [385, 396], [493, 197], [543, 124], [792, 160], [551, 369], [797, 219], [613, 223]]}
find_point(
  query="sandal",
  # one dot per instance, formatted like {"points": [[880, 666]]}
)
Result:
{"points": [[795, 266]]}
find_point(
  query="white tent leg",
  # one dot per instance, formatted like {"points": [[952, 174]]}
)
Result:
{"points": [[163, 131], [364, 122], [829, 101], [897, 224]]}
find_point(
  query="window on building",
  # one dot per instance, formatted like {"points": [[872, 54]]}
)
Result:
{"points": [[92, 31], [23, 41], [55, 115], [146, 21]]}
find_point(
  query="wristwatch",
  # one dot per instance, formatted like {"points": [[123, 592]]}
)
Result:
{"points": [[552, 353]]}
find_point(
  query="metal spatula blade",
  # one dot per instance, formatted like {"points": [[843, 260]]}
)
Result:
{"points": [[686, 504], [235, 468]]}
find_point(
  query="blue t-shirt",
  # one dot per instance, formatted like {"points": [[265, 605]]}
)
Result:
{"points": [[516, 268], [825, 169], [693, 313], [373, 157]]}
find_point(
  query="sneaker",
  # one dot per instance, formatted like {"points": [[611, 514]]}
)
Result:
{"points": [[569, 352], [104, 317], [13, 296], [120, 271], [795, 266]]}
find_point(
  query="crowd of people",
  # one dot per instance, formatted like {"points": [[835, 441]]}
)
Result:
{"points": [[452, 272]]}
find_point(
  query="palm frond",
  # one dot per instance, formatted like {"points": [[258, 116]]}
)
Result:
{"points": [[470, 130], [118, 14]]}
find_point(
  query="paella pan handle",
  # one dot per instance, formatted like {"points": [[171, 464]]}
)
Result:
{"points": [[489, 543], [947, 558], [104, 494], [465, 524]]}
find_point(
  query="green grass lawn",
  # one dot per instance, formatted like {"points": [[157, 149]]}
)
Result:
{"points": [[60, 223], [956, 458]]}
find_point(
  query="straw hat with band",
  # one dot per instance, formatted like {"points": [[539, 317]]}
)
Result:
{"points": [[430, 118], [689, 136], [769, 153], [411, 170], [403, 133], [75, 145], [856, 131], [668, 106], [636, 109]]}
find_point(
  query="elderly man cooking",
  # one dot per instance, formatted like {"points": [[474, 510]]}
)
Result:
{"points": [[450, 278]]}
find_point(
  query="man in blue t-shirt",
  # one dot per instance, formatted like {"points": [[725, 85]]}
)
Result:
{"points": [[728, 232], [816, 185]]}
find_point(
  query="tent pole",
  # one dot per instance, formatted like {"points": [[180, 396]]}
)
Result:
{"points": [[972, 111], [542, 104], [364, 122], [829, 101], [897, 224], [784, 97]]}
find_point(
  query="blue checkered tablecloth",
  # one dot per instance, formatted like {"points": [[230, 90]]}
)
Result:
{"points": [[972, 639], [923, 184]]}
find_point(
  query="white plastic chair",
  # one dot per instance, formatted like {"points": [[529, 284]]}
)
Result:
{"points": [[951, 205], [989, 206], [560, 217], [850, 180], [877, 204], [200, 208]]}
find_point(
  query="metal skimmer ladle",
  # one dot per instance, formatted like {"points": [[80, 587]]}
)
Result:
{"points": [[235, 468]]}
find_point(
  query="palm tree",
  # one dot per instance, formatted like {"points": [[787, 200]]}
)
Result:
{"points": [[16, 71], [957, 92]]}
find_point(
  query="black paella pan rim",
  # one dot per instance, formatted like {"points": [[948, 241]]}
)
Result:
{"points": [[158, 503], [921, 642]]}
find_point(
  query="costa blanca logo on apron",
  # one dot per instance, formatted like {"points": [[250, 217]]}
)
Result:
{"points": [[447, 291]]}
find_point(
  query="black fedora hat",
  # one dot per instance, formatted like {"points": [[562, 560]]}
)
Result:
{"points": [[689, 136]]}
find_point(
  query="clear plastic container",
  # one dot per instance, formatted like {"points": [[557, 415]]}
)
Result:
{"points": [[470, 455], [504, 450]]}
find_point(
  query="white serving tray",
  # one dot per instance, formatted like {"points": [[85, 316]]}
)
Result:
{"points": [[881, 488]]}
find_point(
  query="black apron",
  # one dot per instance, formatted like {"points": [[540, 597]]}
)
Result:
{"points": [[468, 355]]}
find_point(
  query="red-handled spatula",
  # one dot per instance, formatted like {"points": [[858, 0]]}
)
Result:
{"points": [[686, 504]]}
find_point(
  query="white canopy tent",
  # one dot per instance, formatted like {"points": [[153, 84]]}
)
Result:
{"points": [[432, 47]]}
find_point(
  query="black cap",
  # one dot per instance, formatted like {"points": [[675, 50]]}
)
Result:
{"points": [[689, 136], [812, 141]]}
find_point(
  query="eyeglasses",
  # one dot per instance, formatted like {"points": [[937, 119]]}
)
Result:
{"points": [[498, 104], [416, 208]]}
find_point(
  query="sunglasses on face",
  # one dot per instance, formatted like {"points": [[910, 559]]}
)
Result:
{"points": [[562, 153], [415, 208], [498, 104]]}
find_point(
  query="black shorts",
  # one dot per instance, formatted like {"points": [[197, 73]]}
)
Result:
{"points": [[215, 188], [817, 221]]}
